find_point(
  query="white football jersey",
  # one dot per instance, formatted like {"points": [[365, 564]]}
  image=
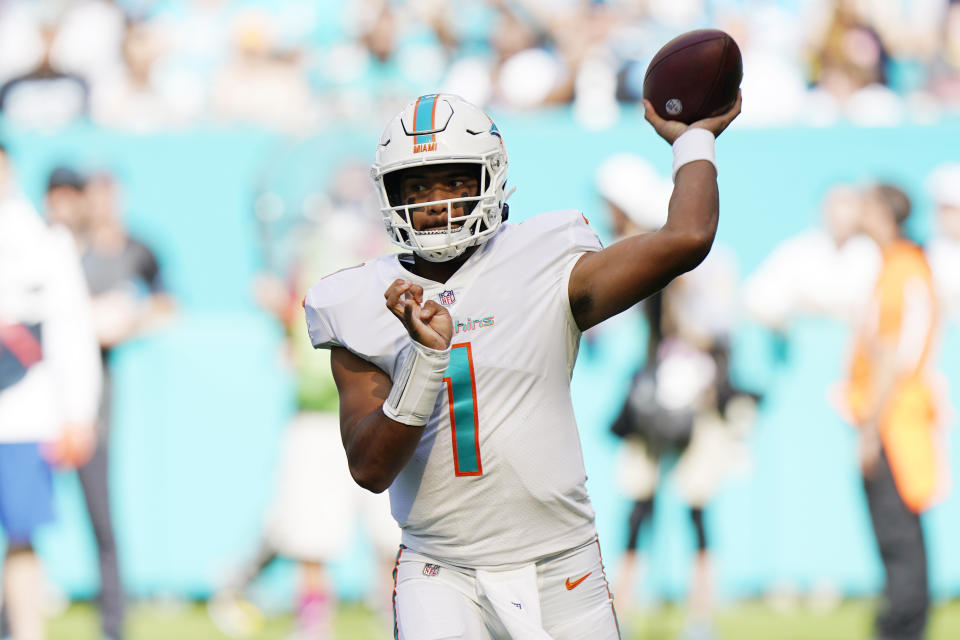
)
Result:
{"points": [[498, 477], [42, 287]]}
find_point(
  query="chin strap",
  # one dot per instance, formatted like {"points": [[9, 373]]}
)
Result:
{"points": [[505, 211]]}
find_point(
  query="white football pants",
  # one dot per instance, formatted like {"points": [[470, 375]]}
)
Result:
{"points": [[565, 597]]}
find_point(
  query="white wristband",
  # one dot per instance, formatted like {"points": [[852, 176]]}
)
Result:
{"points": [[417, 384], [693, 144]]}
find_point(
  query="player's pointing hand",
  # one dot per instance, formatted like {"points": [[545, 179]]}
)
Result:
{"points": [[427, 322]]}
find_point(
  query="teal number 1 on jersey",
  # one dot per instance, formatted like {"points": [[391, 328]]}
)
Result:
{"points": [[462, 398]]}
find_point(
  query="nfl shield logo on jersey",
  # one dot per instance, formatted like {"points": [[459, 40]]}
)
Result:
{"points": [[447, 298], [431, 569]]}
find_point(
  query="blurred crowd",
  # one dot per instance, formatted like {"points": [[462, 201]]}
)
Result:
{"points": [[303, 67], [686, 421], [300, 66]]}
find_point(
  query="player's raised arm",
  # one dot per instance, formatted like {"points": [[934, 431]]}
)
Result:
{"points": [[607, 282], [381, 422]]}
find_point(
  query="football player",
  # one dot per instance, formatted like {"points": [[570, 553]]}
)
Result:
{"points": [[456, 394]]}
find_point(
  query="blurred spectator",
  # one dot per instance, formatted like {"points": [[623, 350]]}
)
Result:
{"points": [[49, 384], [523, 70], [89, 39], [682, 407], [944, 249], [132, 97], [582, 36], [774, 71], [262, 84], [21, 42], [128, 298], [890, 397], [681, 402], [850, 55], [850, 70], [618, 179], [387, 54], [528, 71], [195, 38], [825, 270], [945, 81], [64, 202], [124, 276], [379, 35], [865, 60], [46, 96]]}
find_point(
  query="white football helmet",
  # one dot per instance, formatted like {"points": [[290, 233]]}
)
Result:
{"points": [[442, 129]]}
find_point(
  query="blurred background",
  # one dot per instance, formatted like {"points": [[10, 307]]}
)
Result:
{"points": [[232, 139]]}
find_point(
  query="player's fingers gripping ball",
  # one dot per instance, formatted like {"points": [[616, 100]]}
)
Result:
{"points": [[695, 76], [669, 130]]}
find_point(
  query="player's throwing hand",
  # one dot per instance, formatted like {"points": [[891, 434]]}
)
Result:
{"points": [[670, 130], [427, 322]]}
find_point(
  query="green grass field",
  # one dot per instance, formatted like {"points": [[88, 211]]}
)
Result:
{"points": [[746, 621]]}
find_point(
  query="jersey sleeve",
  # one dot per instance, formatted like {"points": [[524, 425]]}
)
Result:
{"points": [[568, 235], [332, 304], [557, 236], [320, 316], [346, 310], [550, 247], [583, 238]]}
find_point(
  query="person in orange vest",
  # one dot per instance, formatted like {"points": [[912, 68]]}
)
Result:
{"points": [[891, 398]]}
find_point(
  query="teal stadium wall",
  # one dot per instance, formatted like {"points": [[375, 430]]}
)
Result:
{"points": [[200, 406]]}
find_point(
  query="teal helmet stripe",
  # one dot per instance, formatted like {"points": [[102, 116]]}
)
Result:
{"points": [[423, 118]]}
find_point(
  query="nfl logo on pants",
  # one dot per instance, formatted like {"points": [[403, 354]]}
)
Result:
{"points": [[431, 569]]}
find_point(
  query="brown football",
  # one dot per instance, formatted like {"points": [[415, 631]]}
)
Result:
{"points": [[694, 76]]}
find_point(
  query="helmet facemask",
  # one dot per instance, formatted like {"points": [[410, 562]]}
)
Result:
{"points": [[469, 219]]}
